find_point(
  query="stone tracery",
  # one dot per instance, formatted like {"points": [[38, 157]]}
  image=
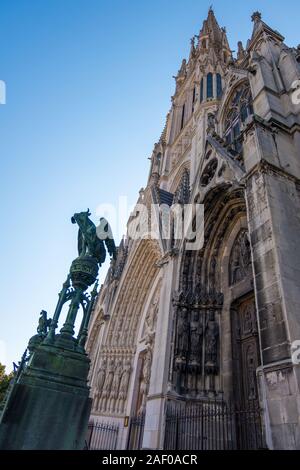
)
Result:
{"points": [[239, 108]]}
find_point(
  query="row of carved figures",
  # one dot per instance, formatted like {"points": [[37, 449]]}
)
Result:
{"points": [[196, 349], [194, 328], [112, 382]]}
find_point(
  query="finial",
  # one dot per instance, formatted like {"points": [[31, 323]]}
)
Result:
{"points": [[256, 16], [241, 51], [211, 9]]}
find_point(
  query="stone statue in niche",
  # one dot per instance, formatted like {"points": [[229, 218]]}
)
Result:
{"points": [[145, 382], [107, 384], [100, 383], [150, 321], [182, 340], [115, 386], [109, 377], [124, 386], [196, 329], [147, 367], [116, 380], [125, 333], [211, 345], [240, 259], [125, 380], [181, 346]]}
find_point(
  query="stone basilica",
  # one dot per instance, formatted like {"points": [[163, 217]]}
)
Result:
{"points": [[176, 328]]}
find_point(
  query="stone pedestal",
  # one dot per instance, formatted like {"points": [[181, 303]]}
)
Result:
{"points": [[49, 405]]}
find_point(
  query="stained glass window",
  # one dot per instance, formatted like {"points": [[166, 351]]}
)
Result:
{"points": [[239, 109], [219, 85], [210, 85]]}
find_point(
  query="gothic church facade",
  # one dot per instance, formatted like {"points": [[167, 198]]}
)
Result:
{"points": [[182, 326]]}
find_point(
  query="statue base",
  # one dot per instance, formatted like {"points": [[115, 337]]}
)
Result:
{"points": [[49, 405]]}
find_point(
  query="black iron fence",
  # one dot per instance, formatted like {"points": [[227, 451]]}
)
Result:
{"points": [[200, 426], [136, 432], [102, 436], [213, 426]]}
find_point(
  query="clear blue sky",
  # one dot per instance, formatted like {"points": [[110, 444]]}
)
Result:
{"points": [[88, 87]]}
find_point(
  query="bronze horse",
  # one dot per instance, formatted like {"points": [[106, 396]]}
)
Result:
{"points": [[91, 239]]}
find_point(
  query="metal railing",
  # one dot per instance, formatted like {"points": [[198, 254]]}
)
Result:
{"points": [[102, 436], [213, 426], [136, 432]]}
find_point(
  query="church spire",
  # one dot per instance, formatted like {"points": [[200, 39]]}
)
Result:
{"points": [[211, 27], [213, 37]]}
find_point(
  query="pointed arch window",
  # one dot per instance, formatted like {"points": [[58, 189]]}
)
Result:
{"points": [[210, 85], [219, 85], [182, 117], [194, 99], [239, 109], [201, 90]]}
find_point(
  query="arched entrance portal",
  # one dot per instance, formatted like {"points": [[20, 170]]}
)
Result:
{"points": [[216, 346]]}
